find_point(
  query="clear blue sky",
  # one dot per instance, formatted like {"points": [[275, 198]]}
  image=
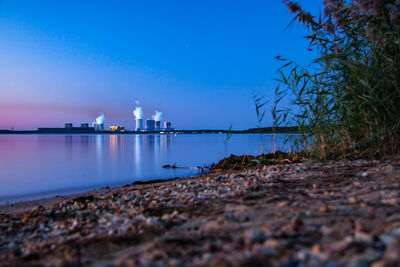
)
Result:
{"points": [[196, 61]]}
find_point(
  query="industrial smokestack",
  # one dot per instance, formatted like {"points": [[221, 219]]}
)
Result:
{"points": [[138, 113]]}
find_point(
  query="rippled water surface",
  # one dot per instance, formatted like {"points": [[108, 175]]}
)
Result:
{"points": [[35, 166]]}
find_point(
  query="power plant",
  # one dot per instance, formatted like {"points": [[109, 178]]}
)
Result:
{"points": [[152, 125]]}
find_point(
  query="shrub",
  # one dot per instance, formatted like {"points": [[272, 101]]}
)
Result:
{"points": [[348, 100]]}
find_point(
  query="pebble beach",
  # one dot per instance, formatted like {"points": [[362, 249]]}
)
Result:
{"points": [[339, 213]]}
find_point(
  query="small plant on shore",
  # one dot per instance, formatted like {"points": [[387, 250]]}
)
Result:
{"points": [[347, 102], [227, 137], [259, 103]]}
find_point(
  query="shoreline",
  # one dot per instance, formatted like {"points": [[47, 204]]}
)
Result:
{"points": [[21, 206], [338, 213], [263, 130]]}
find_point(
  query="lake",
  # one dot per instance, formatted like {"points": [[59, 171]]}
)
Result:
{"points": [[36, 166]]}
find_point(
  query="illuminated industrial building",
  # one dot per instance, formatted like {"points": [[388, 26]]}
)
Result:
{"points": [[116, 129]]}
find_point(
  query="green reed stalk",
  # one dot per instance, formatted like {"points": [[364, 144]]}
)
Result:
{"points": [[348, 101]]}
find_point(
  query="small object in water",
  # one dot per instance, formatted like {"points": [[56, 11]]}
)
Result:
{"points": [[170, 166], [175, 167]]}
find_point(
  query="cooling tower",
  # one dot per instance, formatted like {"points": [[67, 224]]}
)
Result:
{"points": [[99, 127], [139, 124], [98, 123]]}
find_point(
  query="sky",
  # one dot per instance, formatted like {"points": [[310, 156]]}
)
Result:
{"points": [[198, 62]]}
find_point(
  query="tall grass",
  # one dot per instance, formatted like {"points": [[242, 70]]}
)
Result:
{"points": [[259, 104], [348, 100]]}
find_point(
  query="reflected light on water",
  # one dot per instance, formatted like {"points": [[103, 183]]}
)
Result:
{"points": [[100, 153], [33, 166], [138, 153]]}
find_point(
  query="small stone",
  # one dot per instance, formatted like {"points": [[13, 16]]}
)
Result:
{"points": [[359, 262], [364, 237], [255, 236], [352, 200], [324, 209], [380, 263], [386, 239], [316, 249], [392, 253], [297, 223], [272, 243], [152, 221], [16, 251], [25, 219], [283, 204], [341, 245]]}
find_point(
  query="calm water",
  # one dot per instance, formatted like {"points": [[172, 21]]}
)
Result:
{"points": [[35, 166]]}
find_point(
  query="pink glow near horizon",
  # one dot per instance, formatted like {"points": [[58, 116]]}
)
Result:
{"points": [[32, 116]]}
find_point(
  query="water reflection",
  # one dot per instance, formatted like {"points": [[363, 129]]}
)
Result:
{"points": [[149, 141], [84, 143], [165, 144], [68, 143], [81, 141], [84, 162], [138, 153], [113, 146], [157, 154], [150, 146], [100, 152]]}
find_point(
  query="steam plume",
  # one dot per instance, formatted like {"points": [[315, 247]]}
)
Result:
{"points": [[138, 113], [99, 120], [157, 116]]}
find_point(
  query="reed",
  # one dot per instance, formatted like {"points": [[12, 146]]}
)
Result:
{"points": [[347, 102], [259, 104], [227, 137]]}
